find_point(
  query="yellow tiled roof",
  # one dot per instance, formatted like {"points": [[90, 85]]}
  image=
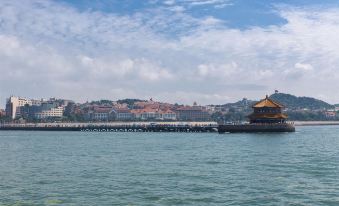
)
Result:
{"points": [[267, 102]]}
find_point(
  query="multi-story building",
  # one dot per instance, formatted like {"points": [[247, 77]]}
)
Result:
{"points": [[153, 114], [146, 114], [50, 113], [42, 111], [13, 106], [168, 115], [99, 113], [122, 114], [192, 113], [34, 109]]}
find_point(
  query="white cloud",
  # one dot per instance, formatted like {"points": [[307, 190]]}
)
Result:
{"points": [[218, 71], [191, 97], [182, 5], [49, 49], [303, 67], [223, 5], [210, 21], [169, 2], [205, 2], [177, 9]]}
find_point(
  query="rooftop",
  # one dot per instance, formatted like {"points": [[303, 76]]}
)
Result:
{"points": [[267, 102]]}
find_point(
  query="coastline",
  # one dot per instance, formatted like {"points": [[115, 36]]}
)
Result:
{"points": [[176, 123], [315, 123], [121, 123]]}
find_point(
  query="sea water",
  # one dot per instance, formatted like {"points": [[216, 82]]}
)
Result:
{"points": [[79, 168]]}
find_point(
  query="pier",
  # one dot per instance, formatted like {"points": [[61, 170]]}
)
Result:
{"points": [[116, 127]]}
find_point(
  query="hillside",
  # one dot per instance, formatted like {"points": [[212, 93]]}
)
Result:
{"points": [[129, 102], [294, 102], [238, 111], [244, 103]]}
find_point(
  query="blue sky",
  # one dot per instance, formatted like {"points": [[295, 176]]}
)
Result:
{"points": [[209, 51], [236, 13]]}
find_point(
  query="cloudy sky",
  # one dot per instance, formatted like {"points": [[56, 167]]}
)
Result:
{"points": [[209, 51]]}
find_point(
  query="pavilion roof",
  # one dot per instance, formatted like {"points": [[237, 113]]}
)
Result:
{"points": [[267, 102]]}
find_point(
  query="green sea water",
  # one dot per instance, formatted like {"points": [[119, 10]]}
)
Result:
{"points": [[77, 168]]}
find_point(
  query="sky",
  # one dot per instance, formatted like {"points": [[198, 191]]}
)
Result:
{"points": [[177, 51]]}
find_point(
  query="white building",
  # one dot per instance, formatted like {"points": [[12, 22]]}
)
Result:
{"points": [[149, 113], [168, 115], [53, 112], [122, 114], [13, 106]]}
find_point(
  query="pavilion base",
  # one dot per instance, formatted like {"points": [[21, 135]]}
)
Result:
{"points": [[254, 128]]}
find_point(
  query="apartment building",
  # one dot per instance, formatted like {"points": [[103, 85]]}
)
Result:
{"points": [[13, 105], [192, 113], [50, 113]]}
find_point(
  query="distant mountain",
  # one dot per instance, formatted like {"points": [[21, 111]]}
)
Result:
{"points": [[294, 102], [238, 111]]}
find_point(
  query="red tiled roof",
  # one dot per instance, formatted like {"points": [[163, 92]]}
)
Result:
{"points": [[151, 110], [167, 112], [122, 110]]}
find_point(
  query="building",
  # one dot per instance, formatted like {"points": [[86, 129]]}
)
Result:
{"points": [[2, 113], [29, 111], [122, 114], [330, 114], [42, 110], [153, 114], [267, 111], [50, 113], [146, 114], [18, 107], [192, 113], [100, 113], [168, 115], [13, 105]]}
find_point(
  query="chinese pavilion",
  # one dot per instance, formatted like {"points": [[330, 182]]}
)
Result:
{"points": [[267, 111]]}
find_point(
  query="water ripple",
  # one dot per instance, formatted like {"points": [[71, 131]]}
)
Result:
{"points": [[71, 168]]}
